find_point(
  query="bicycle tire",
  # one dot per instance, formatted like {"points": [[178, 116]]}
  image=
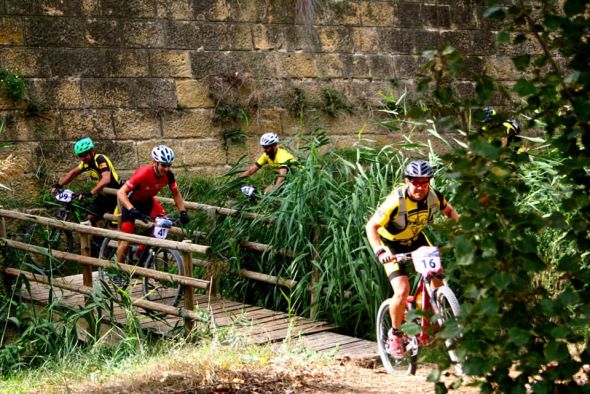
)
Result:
{"points": [[51, 239], [109, 278], [410, 342], [449, 308], [168, 261]]}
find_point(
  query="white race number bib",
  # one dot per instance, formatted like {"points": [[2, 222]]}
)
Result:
{"points": [[426, 259], [65, 196]]}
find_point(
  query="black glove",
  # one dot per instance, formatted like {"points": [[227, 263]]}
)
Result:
{"points": [[56, 186], [85, 195], [184, 219], [137, 214]]}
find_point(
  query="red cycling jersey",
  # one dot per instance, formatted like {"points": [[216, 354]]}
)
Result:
{"points": [[144, 184]]}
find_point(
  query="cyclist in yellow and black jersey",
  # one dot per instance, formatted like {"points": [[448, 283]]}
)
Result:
{"points": [[280, 159], [101, 170], [507, 130], [396, 227]]}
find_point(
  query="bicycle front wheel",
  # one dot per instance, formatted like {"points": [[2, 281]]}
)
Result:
{"points": [[111, 277], [51, 239], [410, 343], [167, 261], [448, 310]]}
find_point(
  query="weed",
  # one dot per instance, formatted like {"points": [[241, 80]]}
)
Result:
{"points": [[335, 102]]}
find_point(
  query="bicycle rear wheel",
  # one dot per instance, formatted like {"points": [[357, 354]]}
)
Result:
{"points": [[167, 261], [448, 310], [410, 342], [51, 239]]}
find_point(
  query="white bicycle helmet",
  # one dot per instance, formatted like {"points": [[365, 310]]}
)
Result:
{"points": [[418, 169], [269, 139], [163, 154]]}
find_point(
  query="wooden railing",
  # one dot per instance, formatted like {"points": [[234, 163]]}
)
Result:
{"points": [[186, 250]]}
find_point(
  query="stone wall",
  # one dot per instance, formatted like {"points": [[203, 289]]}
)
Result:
{"points": [[135, 73]]}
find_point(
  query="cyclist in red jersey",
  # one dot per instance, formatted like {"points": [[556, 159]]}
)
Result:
{"points": [[136, 196]]}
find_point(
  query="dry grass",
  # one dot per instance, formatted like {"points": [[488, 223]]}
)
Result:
{"points": [[9, 168]]}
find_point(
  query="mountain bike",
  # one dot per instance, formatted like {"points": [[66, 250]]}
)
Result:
{"points": [[439, 309], [153, 257], [55, 238]]}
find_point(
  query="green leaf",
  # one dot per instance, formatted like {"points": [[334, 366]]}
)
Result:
{"points": [[574, 7], [556, 351], [485, 149], [494, 12], [524, 87], [519, 336], [560, 332], [503, 37]]}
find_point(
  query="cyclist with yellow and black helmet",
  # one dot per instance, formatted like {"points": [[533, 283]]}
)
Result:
{"points": [[101, 170], [396, 227], [495, 125]]}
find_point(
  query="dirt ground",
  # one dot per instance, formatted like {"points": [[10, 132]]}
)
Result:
{"points": [[335, 377]]}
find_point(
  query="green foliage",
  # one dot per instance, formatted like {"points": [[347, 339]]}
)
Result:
{"points": [[522, 251], [335, 102], [15, 87]]}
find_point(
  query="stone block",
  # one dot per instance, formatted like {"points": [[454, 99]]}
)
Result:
{"points": [[228, 37], [128, 9], [90, 8], [60, 7], [377, 13], [20, 7], [27, 62], [268, 37], [62, 93], [189, 124], [406, 66], [155, 93], [397, 41], [335, 39], [202, 152], [501, 68], [281, 11], [11, 32], [193, 94], [76, 62], [132, 124], [143, 34], [232, 11], [297, 38], [381, 66], [126, 63], [186, 35], [107, 93], [329, 65], [170, 64], [52, 32], [178, 9], [21, 128], [295, 65], [470, 42], [355, 66], [22, 154], [365, 39], [265, 120], [100, 32], [123, 155], [344, 13], [97, 124]]}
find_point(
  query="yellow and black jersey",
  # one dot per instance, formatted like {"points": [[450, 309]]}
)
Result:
{"points": [[403, 219], [283, 159], [99, 164]]}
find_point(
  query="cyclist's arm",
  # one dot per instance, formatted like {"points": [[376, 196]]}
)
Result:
{"points": [[178, 200], [450, 212], [123, 198], [105, 179], [251, 170], [373, 236], [279, 180], [69, 176]]}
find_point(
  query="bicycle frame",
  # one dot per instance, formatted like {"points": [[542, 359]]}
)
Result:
{"points": [[424, 288]]}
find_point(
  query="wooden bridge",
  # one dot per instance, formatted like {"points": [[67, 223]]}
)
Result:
{"points": [[253, 324]]}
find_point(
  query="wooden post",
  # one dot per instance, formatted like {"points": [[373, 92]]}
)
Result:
{"points": [[2, 226], [187, 266], [85, 251]]}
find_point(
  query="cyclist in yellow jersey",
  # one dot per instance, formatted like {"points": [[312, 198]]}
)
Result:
{"points": [[507, 129], [396, 227], [101, 170], [280, 159]]}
